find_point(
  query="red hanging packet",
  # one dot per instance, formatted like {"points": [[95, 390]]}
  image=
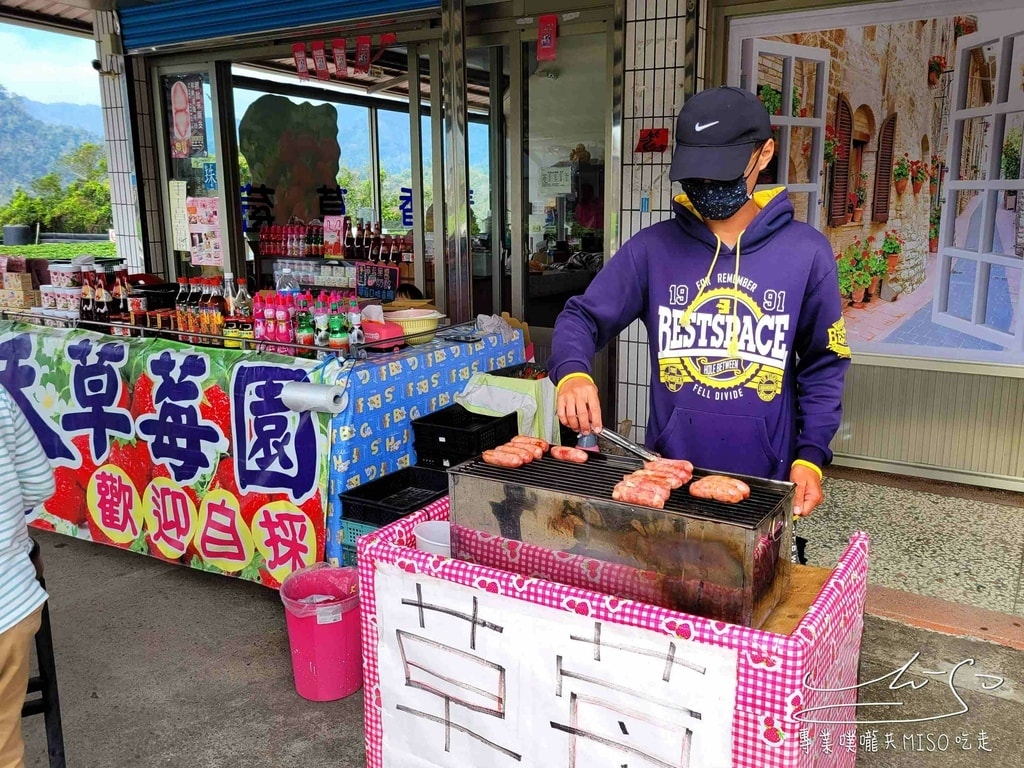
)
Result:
{"points": [[547, 37], [340, 61], [320, 60], [301, 62], [363, 43]]}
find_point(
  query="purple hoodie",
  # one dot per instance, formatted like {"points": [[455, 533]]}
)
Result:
{"points": [[748, 345]]}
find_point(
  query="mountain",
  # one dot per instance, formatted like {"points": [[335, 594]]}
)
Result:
{"points": [[88, 117], [30, 147]]}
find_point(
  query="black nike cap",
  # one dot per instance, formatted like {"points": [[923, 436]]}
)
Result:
{"points": [[716, 133]]}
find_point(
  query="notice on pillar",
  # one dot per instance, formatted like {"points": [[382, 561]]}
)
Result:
{"points": [[204, 231], [301, 62], [363, 44], [320, 60], [547, 37], [179, 215], [338, 47]]}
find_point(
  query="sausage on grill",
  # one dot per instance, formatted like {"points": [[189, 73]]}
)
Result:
{"points": [[642, 496], [678, 464], [502, 459], [528, 440], [718, 488], [565, 453], [533, 448], [671, 480], [517, 450], [677, 469], [649, 485]]}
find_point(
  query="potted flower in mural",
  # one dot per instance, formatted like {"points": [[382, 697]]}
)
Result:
{"points": [[772, 99], [860, 196], [833, 151], [933, 176], [1010, 163], [878, 268], [901, 173], [860, 279], [964, 25], [936, 66], [933, 229], [892, 247], [844, 268], [918, 175]]}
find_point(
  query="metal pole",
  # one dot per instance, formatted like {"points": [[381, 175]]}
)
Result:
{"points": [[458, 258], [520, 186], [416, 156], [497, 175], [375, 166], [438, 164]]}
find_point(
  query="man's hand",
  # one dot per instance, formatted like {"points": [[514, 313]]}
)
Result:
{"points": [[808, 490], [578, 405]]}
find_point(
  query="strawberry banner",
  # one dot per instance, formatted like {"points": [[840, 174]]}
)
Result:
{"points": [[186, 454]]}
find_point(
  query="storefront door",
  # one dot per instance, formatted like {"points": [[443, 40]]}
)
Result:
{"points": [[550, 129]]}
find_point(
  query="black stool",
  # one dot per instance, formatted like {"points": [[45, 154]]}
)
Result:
{"points": [[47, 703]]}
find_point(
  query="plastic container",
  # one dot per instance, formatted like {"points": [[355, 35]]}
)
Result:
{"points": [[65, 275], [48, 296], [68, 298], [435, 537], [322, 612], [413, 321], [384, 501], [456, 431]]}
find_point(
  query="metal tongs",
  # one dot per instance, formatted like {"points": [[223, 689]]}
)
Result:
{"points": [[626, 444]]}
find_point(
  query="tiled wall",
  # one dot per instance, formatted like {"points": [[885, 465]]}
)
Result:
{"points": [[120, 163], [661, 42]]}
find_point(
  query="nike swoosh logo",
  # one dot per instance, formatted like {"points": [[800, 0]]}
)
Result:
{"points": [[698, 127]]}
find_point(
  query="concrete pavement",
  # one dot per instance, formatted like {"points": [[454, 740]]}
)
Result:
{"points": [[165, 666]]}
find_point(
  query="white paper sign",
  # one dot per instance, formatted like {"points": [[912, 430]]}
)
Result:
{"points": [[179, 216], [556, 180], [468, 677]]}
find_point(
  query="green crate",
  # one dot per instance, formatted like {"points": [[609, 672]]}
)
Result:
{"points": [[351, 530], [348, 555]]}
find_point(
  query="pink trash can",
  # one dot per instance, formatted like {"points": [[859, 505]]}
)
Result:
{"points": [[322, 612]]}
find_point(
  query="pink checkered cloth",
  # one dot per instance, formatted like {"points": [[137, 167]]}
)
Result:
{"points": [[777, 674]]}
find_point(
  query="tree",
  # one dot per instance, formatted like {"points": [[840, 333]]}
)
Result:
{"points": [[83, 207]]}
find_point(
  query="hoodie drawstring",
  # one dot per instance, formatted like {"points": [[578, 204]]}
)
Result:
{"points": [[734, 337], [707, 281], [734, 331]]}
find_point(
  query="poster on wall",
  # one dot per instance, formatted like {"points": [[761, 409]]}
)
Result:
{"points": [[186, 455], [186, 113], [204, 231], [376, 281], [923, 206]]}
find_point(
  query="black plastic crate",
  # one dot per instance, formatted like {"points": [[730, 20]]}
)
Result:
{"points": [[457, 431], [531, 371], [393, 496], [442, 460]]}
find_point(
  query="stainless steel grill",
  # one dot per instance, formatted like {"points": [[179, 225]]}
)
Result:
{"points": [[724, 561]]}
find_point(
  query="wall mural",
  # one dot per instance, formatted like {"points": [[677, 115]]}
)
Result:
{"points": [[924, 270]]}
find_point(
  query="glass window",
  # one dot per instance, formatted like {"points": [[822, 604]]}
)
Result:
{"points": [[395, 149], [564, 130]]}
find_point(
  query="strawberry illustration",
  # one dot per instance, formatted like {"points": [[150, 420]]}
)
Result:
{"points": [[84, 473], [314, 508], [42, 525], [133, 459], [68, 503], [142, 397], [216, 407], [773, 735]]}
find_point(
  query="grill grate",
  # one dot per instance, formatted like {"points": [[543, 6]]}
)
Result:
{"points": [[602, 472]]}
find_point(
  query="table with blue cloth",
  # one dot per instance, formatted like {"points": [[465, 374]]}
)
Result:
{"points": [[372, 435]]}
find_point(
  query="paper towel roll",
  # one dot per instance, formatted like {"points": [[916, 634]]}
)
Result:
{"points": [[303, 396]]}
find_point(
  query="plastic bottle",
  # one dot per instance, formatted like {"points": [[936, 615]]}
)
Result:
{"points": [[259, 322], [195, 295], [355, 322], [179, 305], [283, 320], [100, 297], [86, 309], [337, 338], [286, 283], [304, 332], [321, 320], [217, 311], [244, 312]]}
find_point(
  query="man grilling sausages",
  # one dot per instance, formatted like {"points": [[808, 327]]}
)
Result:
{"points": [[742, 308]]}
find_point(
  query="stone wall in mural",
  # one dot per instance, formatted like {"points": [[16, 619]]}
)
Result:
{"points": [[293, 149], [903, 74]]}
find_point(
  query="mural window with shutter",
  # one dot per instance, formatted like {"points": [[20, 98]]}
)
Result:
{"points": [[883, 170], [839, 197]]}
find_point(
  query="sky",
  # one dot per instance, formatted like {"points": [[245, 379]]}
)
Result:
{"points": [[47, 66]]}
